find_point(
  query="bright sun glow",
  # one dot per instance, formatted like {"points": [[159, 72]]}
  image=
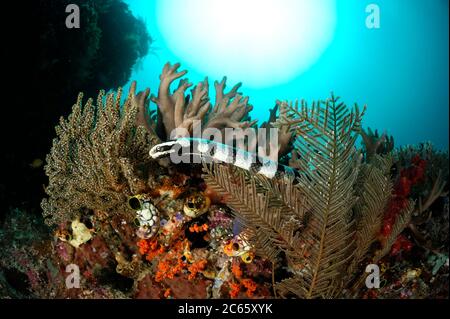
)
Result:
{"points": [[258, 42]]}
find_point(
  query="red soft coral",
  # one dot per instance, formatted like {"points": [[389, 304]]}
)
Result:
{"points": [[250, 285], [236, 270], [235, 288], [401, 243], [409, 177], [143, 246]]}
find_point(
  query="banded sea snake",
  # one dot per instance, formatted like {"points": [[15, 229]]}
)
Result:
{"points": [[197, 150]]}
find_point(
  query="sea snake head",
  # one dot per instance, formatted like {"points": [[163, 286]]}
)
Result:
{"points": [[165, 149]]}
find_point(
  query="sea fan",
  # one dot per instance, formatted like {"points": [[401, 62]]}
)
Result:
{"points": [[99, 157]]}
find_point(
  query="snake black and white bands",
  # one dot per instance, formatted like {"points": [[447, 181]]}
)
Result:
{"points": [[197, 150]]}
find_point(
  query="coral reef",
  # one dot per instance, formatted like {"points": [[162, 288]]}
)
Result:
{"points": [[143, 228]]}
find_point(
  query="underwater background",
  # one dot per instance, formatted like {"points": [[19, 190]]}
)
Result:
{"points": [[80, 185], [400, 71]]}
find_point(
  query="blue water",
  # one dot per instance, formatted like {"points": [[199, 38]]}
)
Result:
{"points": [[400, 71]]}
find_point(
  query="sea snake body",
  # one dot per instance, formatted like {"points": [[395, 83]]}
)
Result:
{"points": [[197, 150]]}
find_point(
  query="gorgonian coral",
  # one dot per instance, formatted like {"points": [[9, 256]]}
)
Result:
{"points": [[100, 157]]}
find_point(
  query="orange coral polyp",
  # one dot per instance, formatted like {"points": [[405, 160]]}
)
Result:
{"points": [[250, 285], [143, 246], [150, 248], [167, 188], [171, 263], [197, 229], [236, 270], [196, 268], [167, 293], [235, 288]]}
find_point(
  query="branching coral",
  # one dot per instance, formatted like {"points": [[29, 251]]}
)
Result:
{"points": [[176, 111], [375, 144], [285, 136]]}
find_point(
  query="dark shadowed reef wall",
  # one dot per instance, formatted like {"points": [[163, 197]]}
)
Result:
{"points": [[46, 65]]}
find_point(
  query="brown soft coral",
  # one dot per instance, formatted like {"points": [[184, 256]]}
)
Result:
{"points": [[229, 109], [177, 111], [285, 135]]}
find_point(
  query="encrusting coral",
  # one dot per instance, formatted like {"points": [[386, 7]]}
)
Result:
{"points": [[227, 232]]}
